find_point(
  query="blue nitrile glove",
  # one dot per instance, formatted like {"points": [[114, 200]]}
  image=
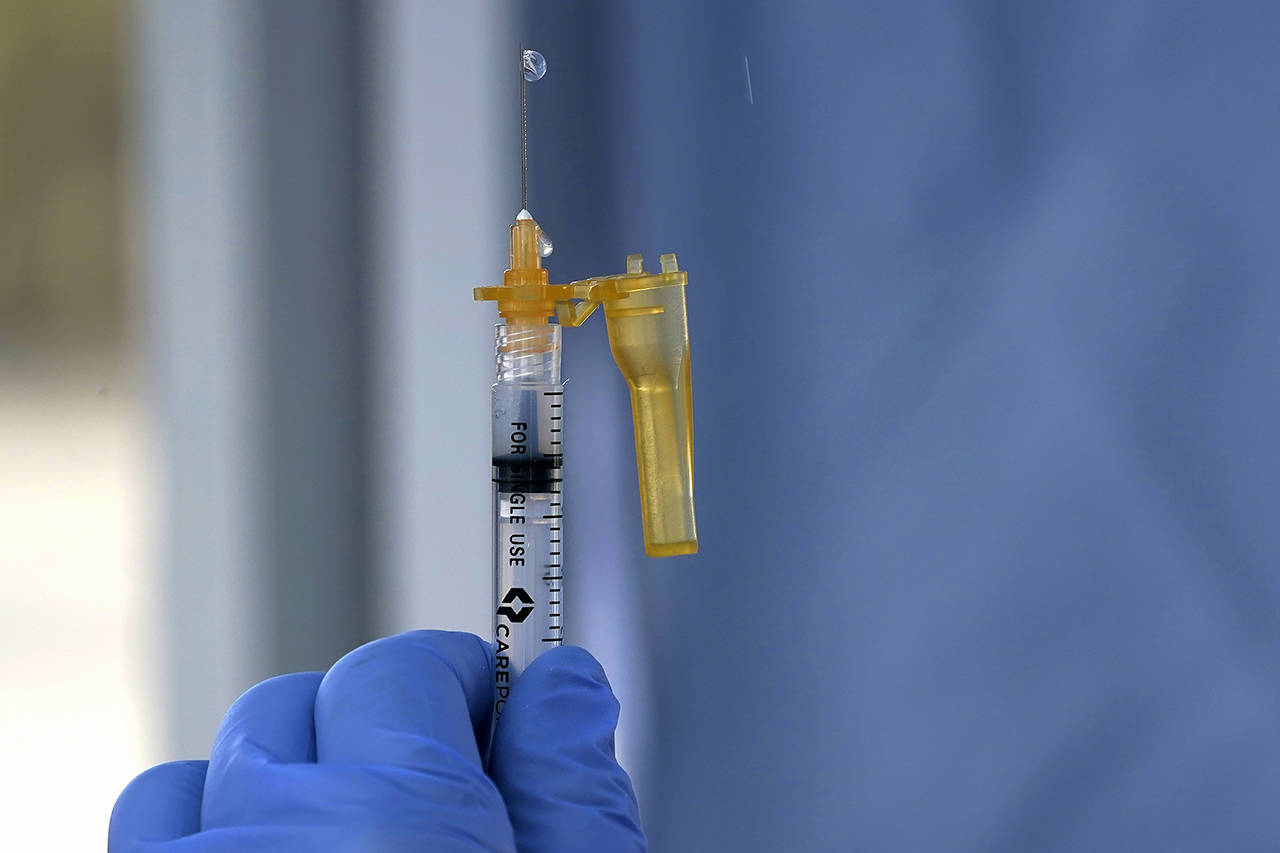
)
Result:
{"points": [[381, 754]]}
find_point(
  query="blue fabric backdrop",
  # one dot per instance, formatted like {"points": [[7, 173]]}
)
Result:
{"points": [[986, 335]]}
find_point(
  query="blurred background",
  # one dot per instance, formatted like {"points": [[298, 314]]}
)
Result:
{"points": [[79, 705], [984, 318]]}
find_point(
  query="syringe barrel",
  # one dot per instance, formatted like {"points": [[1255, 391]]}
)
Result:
{"points": [[528, 523]]}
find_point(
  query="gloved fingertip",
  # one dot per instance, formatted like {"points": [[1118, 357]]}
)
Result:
{"points": [[562, 697], [432, 685], [553, 759], [161, 804], [569, 664]]}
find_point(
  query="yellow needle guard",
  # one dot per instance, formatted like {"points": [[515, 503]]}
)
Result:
{"points": [[649, 336]]}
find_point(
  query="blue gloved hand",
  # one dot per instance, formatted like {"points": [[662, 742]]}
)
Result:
{"points": [[382, 754]]}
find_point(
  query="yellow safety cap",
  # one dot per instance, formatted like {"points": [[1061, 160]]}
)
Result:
{"points": [[649, 337]]}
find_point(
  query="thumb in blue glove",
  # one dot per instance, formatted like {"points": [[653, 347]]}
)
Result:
{"points": [[554, 762], [382, 753]]}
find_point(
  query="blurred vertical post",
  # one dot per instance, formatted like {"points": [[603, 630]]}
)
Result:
{"points": [[251, 161], [445, 186]]}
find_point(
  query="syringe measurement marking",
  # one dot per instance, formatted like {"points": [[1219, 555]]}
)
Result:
{"points": [[557, 460], [553, 602]]}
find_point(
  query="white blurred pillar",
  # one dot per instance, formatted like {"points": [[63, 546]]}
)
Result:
{"points": [[445, 188], [322, 184], [197, 135], [251, 165]]}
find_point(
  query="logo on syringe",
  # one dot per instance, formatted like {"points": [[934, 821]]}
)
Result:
{"points": [[516, 594]]}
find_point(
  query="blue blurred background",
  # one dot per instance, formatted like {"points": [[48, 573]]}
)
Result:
{"points": [[986, 340]]}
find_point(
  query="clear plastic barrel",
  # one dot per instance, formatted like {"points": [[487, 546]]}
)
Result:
{"points": [[528, 411]]}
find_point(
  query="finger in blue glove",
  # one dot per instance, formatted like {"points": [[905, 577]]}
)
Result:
{"points": [[553, 759]]}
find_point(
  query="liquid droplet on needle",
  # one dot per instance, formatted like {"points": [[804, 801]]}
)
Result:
{"points": [[533, 64]]}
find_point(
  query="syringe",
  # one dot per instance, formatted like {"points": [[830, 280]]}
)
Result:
{"points": [[649, 339]]}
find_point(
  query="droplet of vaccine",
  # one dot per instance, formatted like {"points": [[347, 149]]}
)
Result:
{"points": [[533, 64], [544, 244]]}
